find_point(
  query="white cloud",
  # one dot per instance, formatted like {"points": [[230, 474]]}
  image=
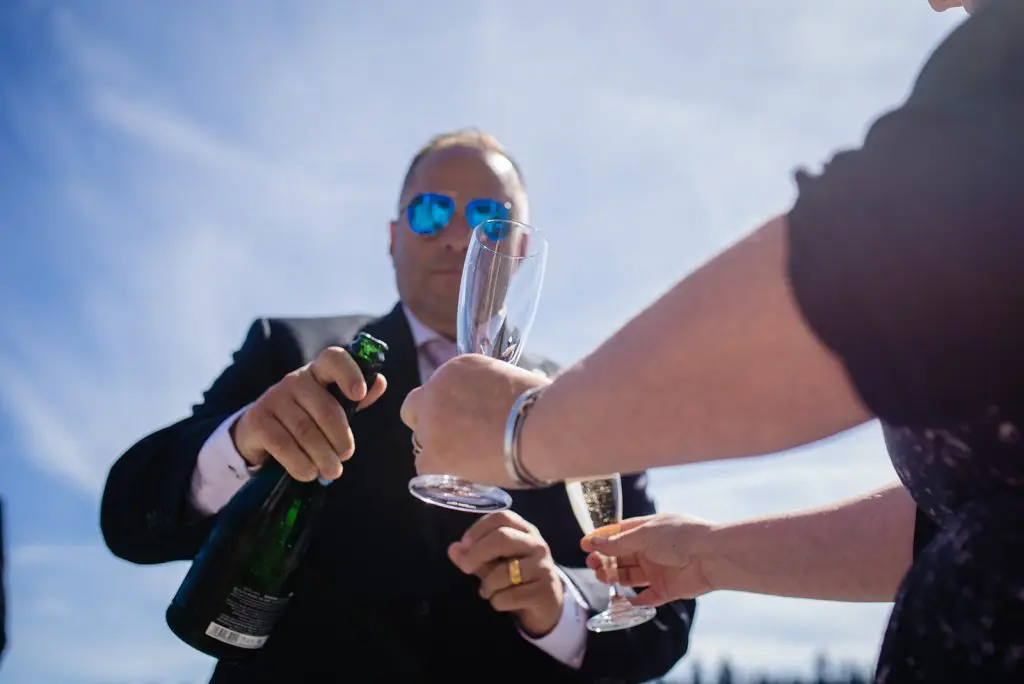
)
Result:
{"points": [[65, 630], [57, 448]]}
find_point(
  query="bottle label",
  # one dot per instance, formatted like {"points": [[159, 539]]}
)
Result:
{"points": [[247, 619]]}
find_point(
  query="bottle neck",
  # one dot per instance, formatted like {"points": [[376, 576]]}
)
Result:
{"points": [[273, 469]]}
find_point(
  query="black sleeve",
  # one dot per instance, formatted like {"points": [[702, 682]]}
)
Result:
{"points": [[144, 512], [906, 256], [646, 652]]}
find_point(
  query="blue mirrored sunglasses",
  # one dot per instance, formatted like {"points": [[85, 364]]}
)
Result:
{"points": [[429, 213]]}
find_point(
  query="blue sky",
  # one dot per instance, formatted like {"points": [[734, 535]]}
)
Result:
{"points": [[169, 172]]}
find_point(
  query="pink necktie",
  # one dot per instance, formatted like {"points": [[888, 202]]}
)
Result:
{"points": [[437, 351]]}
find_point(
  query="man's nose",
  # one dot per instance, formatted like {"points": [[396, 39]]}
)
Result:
{"points": [[456, 236]]}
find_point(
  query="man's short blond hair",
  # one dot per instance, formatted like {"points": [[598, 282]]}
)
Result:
{"points": [[464, 137]]}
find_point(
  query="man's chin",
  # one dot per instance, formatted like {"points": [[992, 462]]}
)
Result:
{"points": [[444, 317]]}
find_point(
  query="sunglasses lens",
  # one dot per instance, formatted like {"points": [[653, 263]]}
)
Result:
{"points": [[480, 210], [429, 213]]}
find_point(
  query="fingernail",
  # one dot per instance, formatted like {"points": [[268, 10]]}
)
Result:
{"points": [[599, 541]]}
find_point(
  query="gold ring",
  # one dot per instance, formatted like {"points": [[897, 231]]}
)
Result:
{"points": [[515, 573]]}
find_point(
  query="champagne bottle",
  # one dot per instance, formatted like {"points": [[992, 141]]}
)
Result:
{"points": [[240, 582]]}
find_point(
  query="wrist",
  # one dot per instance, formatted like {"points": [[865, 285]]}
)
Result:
{"points": [[712, 556], [534, 443], [516, 470], [539, 625], [238, 431]]}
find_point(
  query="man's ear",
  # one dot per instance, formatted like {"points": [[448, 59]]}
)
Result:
{"points": [[393, 227]]}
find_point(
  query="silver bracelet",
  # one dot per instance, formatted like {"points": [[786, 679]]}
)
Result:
{"points": [[513, 428]]}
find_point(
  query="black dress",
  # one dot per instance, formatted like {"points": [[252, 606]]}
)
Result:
{"points": [[907, 260]]}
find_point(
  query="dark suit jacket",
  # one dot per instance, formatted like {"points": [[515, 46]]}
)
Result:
{"points": [[378, 593]]}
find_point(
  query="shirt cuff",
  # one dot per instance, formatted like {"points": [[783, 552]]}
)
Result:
{"points": [[567, 642], [220, 470]]}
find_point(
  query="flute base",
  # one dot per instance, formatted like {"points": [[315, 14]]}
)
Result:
{"points": [[621, 617], [457, 494]]}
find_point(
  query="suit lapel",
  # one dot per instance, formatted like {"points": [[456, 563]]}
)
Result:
{"points": [[439, 526], [401, 367]]}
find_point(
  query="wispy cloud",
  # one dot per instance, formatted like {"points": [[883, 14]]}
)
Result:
{"points": [[190, 170], [102, 636]]}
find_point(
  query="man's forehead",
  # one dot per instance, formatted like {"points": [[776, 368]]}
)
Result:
{"points": [[459, 169], [455, 158], [501, 164]]}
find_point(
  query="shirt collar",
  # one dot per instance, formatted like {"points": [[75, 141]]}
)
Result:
{"points": [[421, 333]]}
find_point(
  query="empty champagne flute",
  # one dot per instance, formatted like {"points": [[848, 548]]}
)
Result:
{"points": [[598, 502], [501, 284]]}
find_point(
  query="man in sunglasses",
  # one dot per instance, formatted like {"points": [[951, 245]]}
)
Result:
{"points": [[392, 588]]}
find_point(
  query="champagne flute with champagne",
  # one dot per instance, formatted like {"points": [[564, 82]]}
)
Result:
{"points": [[598, 502]]}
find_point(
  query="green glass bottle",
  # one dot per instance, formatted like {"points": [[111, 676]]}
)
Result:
{"points": [[240, 581]]}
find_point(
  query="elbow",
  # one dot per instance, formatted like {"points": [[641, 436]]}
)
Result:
{"points": [[128, 542], [113, 525], [143, 527], [122, 529], [144, 517]]}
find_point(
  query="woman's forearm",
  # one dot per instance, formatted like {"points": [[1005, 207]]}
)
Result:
{"points": [[855, 550], [722, 366]]}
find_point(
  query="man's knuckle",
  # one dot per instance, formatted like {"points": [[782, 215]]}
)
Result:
{"points": [[304, 472], [342, 443], [335, 357], [335, 426], [288, 383], [265, 404], [347, 450], [273, 440], [305, 429], [256, 420]]}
